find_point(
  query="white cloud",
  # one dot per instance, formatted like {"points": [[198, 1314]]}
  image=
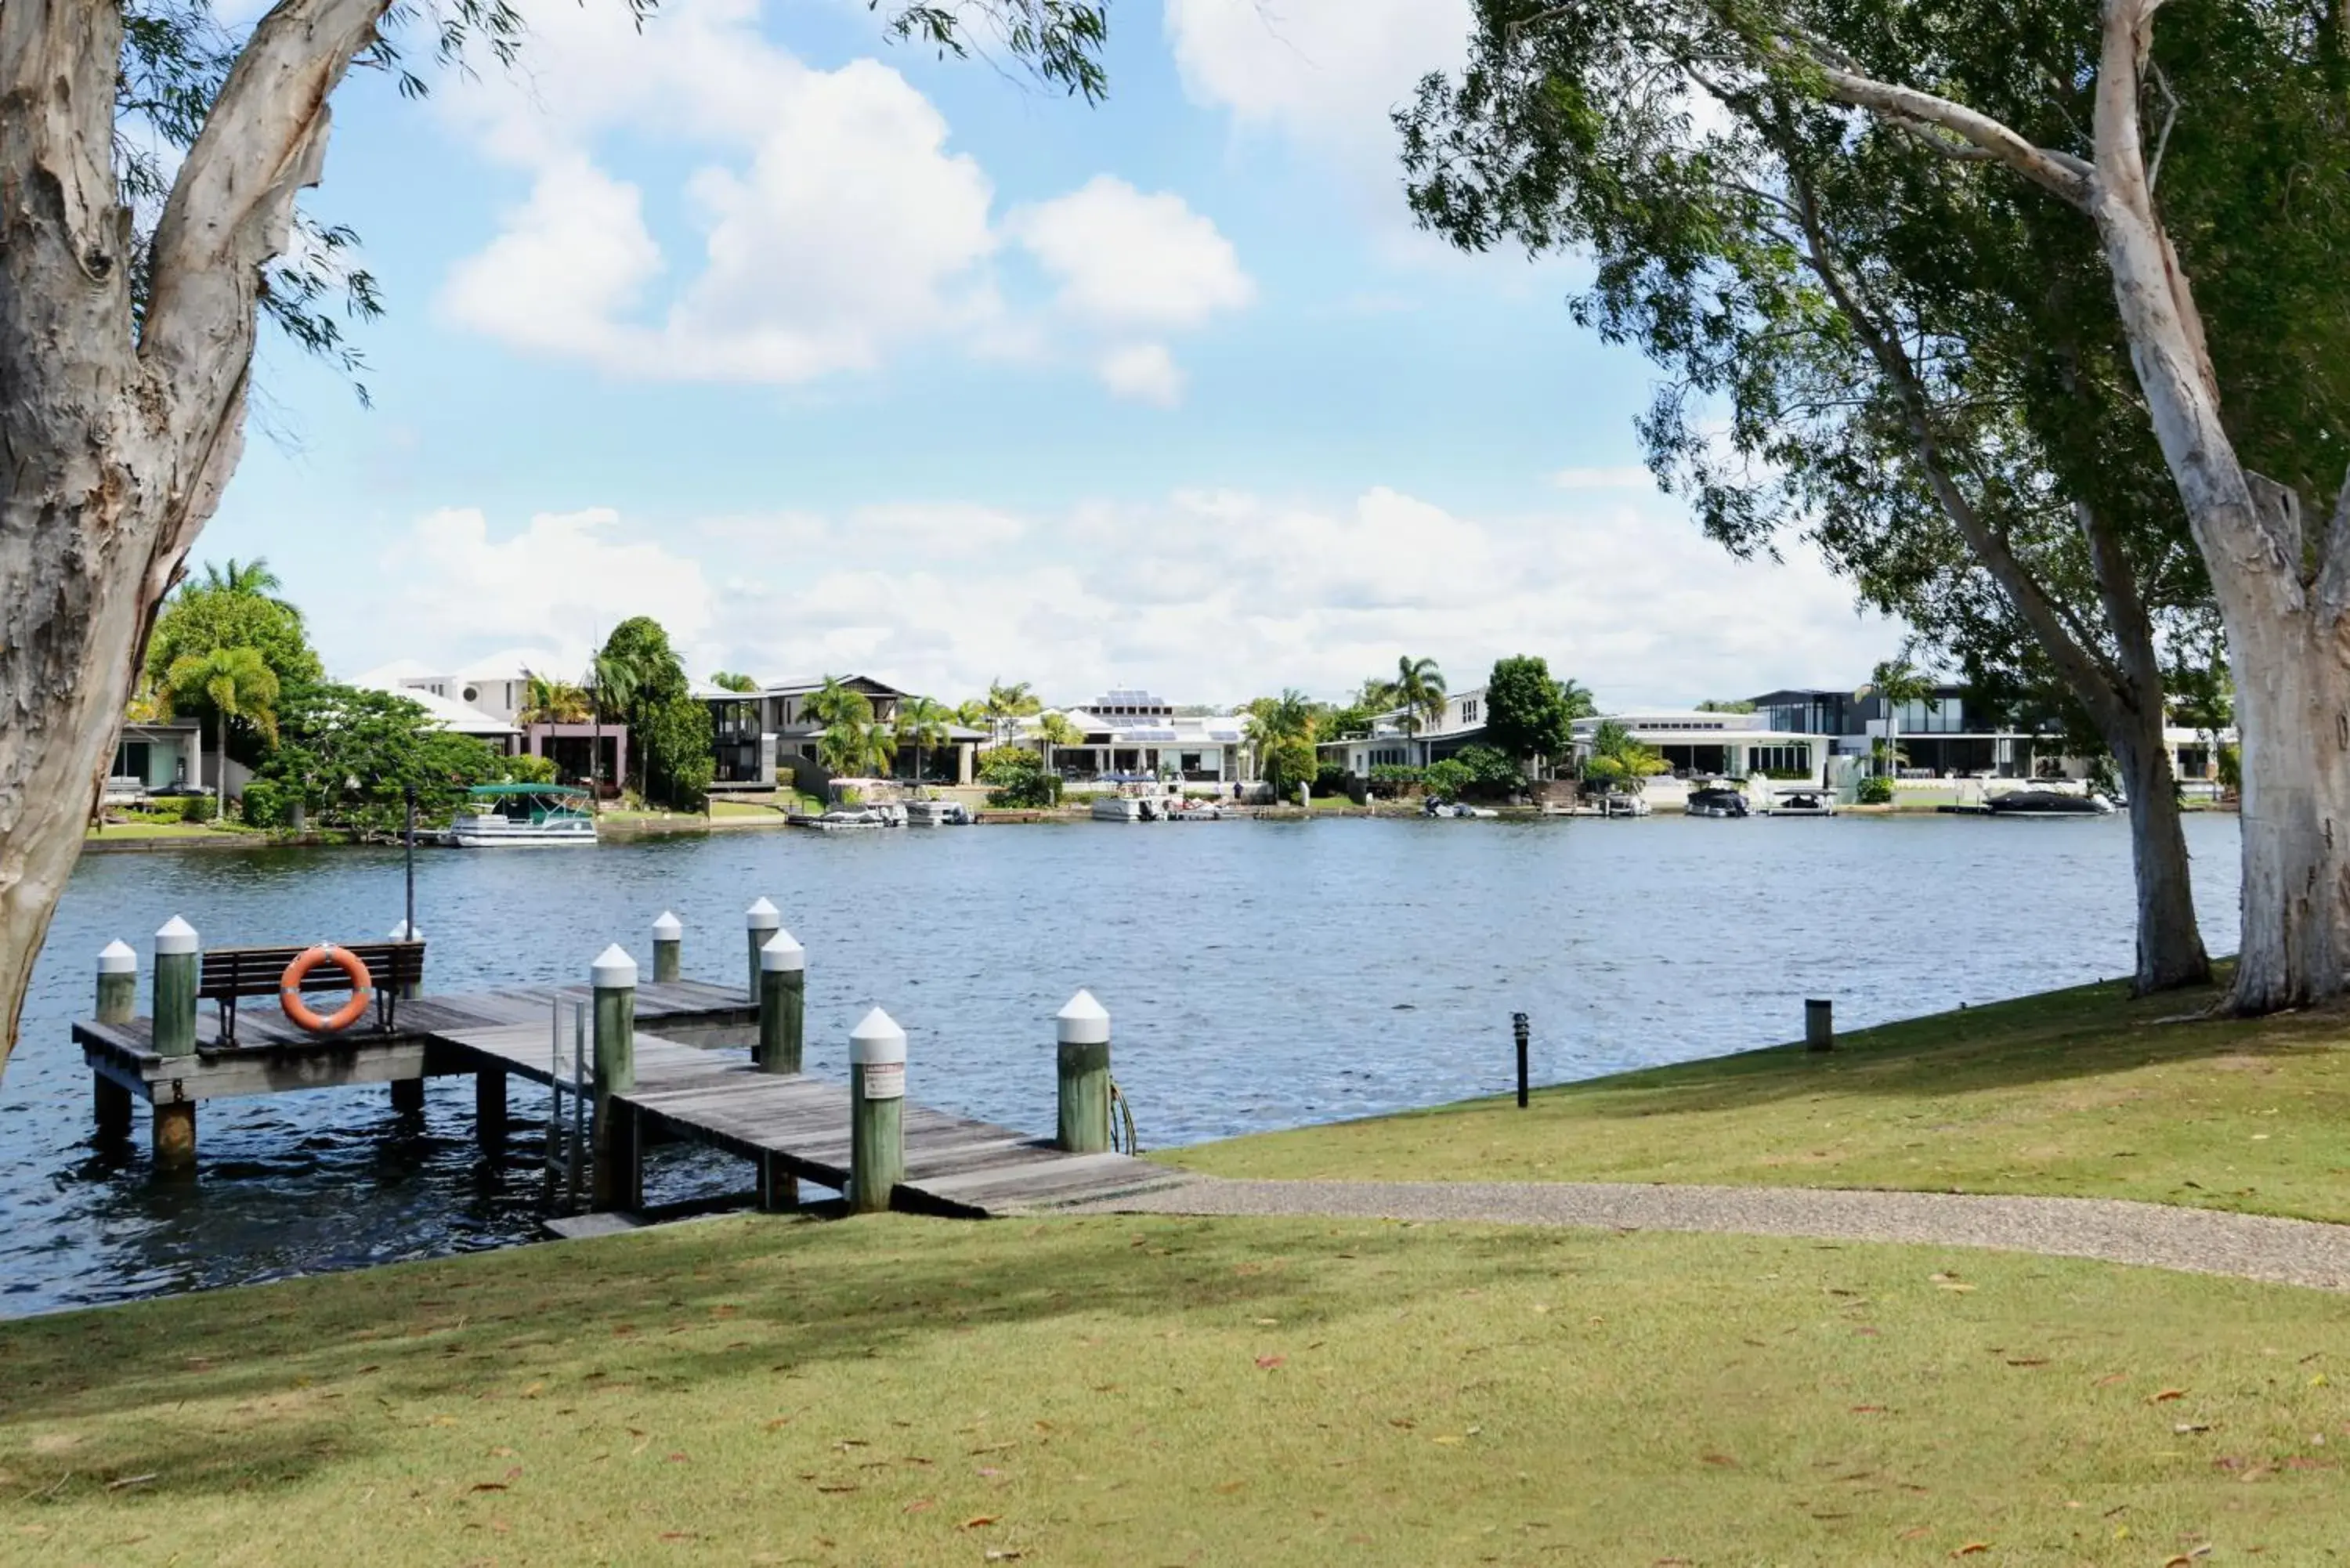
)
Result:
{"points": [[560, 582], [836, 224], [1325, 72], [1144, 372], [1123, 258]]}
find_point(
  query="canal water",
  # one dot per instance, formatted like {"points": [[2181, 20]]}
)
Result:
{"points": [[1260, 975]]}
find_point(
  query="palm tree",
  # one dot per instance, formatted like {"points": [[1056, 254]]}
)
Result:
{"points": [[1055, 730], [612, 682], [1897, 682], [1280, 730], [1420, 691], [252, 576], [857, 748], [239, 684], [1005, 704], [836, 701], [921, 723], [1577, 698], [547, 700], [733, 681]]}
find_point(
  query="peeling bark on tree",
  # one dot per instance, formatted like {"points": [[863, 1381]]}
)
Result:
{"points": [[2286, 608], [118, 445]]}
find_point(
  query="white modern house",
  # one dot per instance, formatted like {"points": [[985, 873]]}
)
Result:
{"points": [[1411, 741], [762, 739], [1133, 736], [166, 755], [452, 701]]}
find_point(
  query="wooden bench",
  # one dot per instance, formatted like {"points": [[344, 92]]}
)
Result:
{"points": [[229, 973]]}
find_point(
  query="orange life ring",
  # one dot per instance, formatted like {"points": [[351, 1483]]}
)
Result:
{"points": [[290, 988]]}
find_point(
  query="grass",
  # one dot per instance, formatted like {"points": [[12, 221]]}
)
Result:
{"points": [[121, 831], [1166, 1391], [2085, 1091]]}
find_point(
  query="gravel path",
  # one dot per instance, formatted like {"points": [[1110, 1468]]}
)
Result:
{"points": [[2195, 1240]]}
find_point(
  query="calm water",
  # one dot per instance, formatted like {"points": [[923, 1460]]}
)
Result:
{"points": [[1260, 975]]}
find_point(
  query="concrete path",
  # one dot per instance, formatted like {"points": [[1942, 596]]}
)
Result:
{"points": [[2194, 1241]]}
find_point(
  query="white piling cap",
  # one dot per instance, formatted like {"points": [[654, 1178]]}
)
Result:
{"points": [[669, 927], [401, 933], [762, 916], [877, 1042], [1084, 1022], [781, 952], [614, 970], [177, 937], [116, 958]]}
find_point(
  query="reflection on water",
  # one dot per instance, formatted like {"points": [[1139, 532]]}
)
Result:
{"points": [[1260, 974]]}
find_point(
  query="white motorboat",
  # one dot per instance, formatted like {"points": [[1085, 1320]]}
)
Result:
{"points": [[1801, 801], [1125, 808], [1197, 811], [1624, 806], [936, 813], [522, 815]]}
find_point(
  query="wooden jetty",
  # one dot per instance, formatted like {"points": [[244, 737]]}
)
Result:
{"points": [[673, 1062]]}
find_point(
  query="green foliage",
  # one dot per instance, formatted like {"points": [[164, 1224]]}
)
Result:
{"points": [[1448, 778], [1525, 710], [1331, 778], [349, 755], [1719, 705], [198, 808], [1875, 790], [922, 723], [1418, 690], [640, 681], [1491, 771], [263, 803], [733, 680], [1619, 763], [1350, 723], [524, 768], [547, 700], [203, 618], [1018, 779], [1400, 774]]}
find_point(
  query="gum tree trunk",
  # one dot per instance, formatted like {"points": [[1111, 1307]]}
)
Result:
{"points": [[2169, 944], [119, 439]]}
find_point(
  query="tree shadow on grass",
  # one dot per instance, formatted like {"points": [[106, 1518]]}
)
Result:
{"points": [[267, 1375]]}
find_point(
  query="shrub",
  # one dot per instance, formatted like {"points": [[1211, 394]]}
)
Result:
{"points": [[196, 808], [1332, 780], [524, 768], [1450, 777], [263, 805], [1875, 790], [1031, 792], [1490, 770]]}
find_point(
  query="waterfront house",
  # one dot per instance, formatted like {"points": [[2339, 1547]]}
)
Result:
{"points": [[1951, 734], [1134, 736], [151, 757], [488, 702], [1696, 746], [762, 739], [1410, 740]]}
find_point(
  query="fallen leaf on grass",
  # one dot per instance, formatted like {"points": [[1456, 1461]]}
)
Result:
{"points": [[1868, 1409], [131, 1481], [979, 1521], [919, 1505], [1912, 1533], [1971, 1548], [2168, 1394], [678, 1535], [1004, 1553], [1267, 1362], [844, 1486], [2029, 1361], [489, 1486], [2190, 1427]]}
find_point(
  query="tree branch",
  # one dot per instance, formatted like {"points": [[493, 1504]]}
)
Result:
{"points": [[1908, 109], [2082, 669], [232, 207]]}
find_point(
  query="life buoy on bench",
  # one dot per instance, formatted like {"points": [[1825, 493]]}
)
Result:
{"points": [[290, 988]]}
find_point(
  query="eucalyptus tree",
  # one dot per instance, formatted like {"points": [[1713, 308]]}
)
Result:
{"points": [[152, 160], [1919, 358]]}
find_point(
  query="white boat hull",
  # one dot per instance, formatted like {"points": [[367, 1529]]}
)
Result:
{"points": [[499, 833]]}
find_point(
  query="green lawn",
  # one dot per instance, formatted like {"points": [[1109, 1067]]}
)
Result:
{"points": [[2085, 1092], [120, 832], [1167, 1391]]}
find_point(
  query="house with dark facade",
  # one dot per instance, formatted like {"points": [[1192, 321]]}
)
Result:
{"points": [[764, 739]]}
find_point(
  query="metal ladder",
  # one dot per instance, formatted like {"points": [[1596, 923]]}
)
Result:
{"points": [[569, 1146]]}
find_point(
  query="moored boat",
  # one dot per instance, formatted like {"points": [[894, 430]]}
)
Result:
{"points": [[1801, 801], [522, 815], [1717, 800], [2048, 802]]}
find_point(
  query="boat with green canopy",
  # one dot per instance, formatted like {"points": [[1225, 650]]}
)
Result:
{"points": [[502, 815]]}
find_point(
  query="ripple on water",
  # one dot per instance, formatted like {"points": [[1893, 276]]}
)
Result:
{"points": [[1262, 975]]}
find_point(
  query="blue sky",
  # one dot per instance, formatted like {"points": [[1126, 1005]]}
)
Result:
{"points": [[835, 356]]}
